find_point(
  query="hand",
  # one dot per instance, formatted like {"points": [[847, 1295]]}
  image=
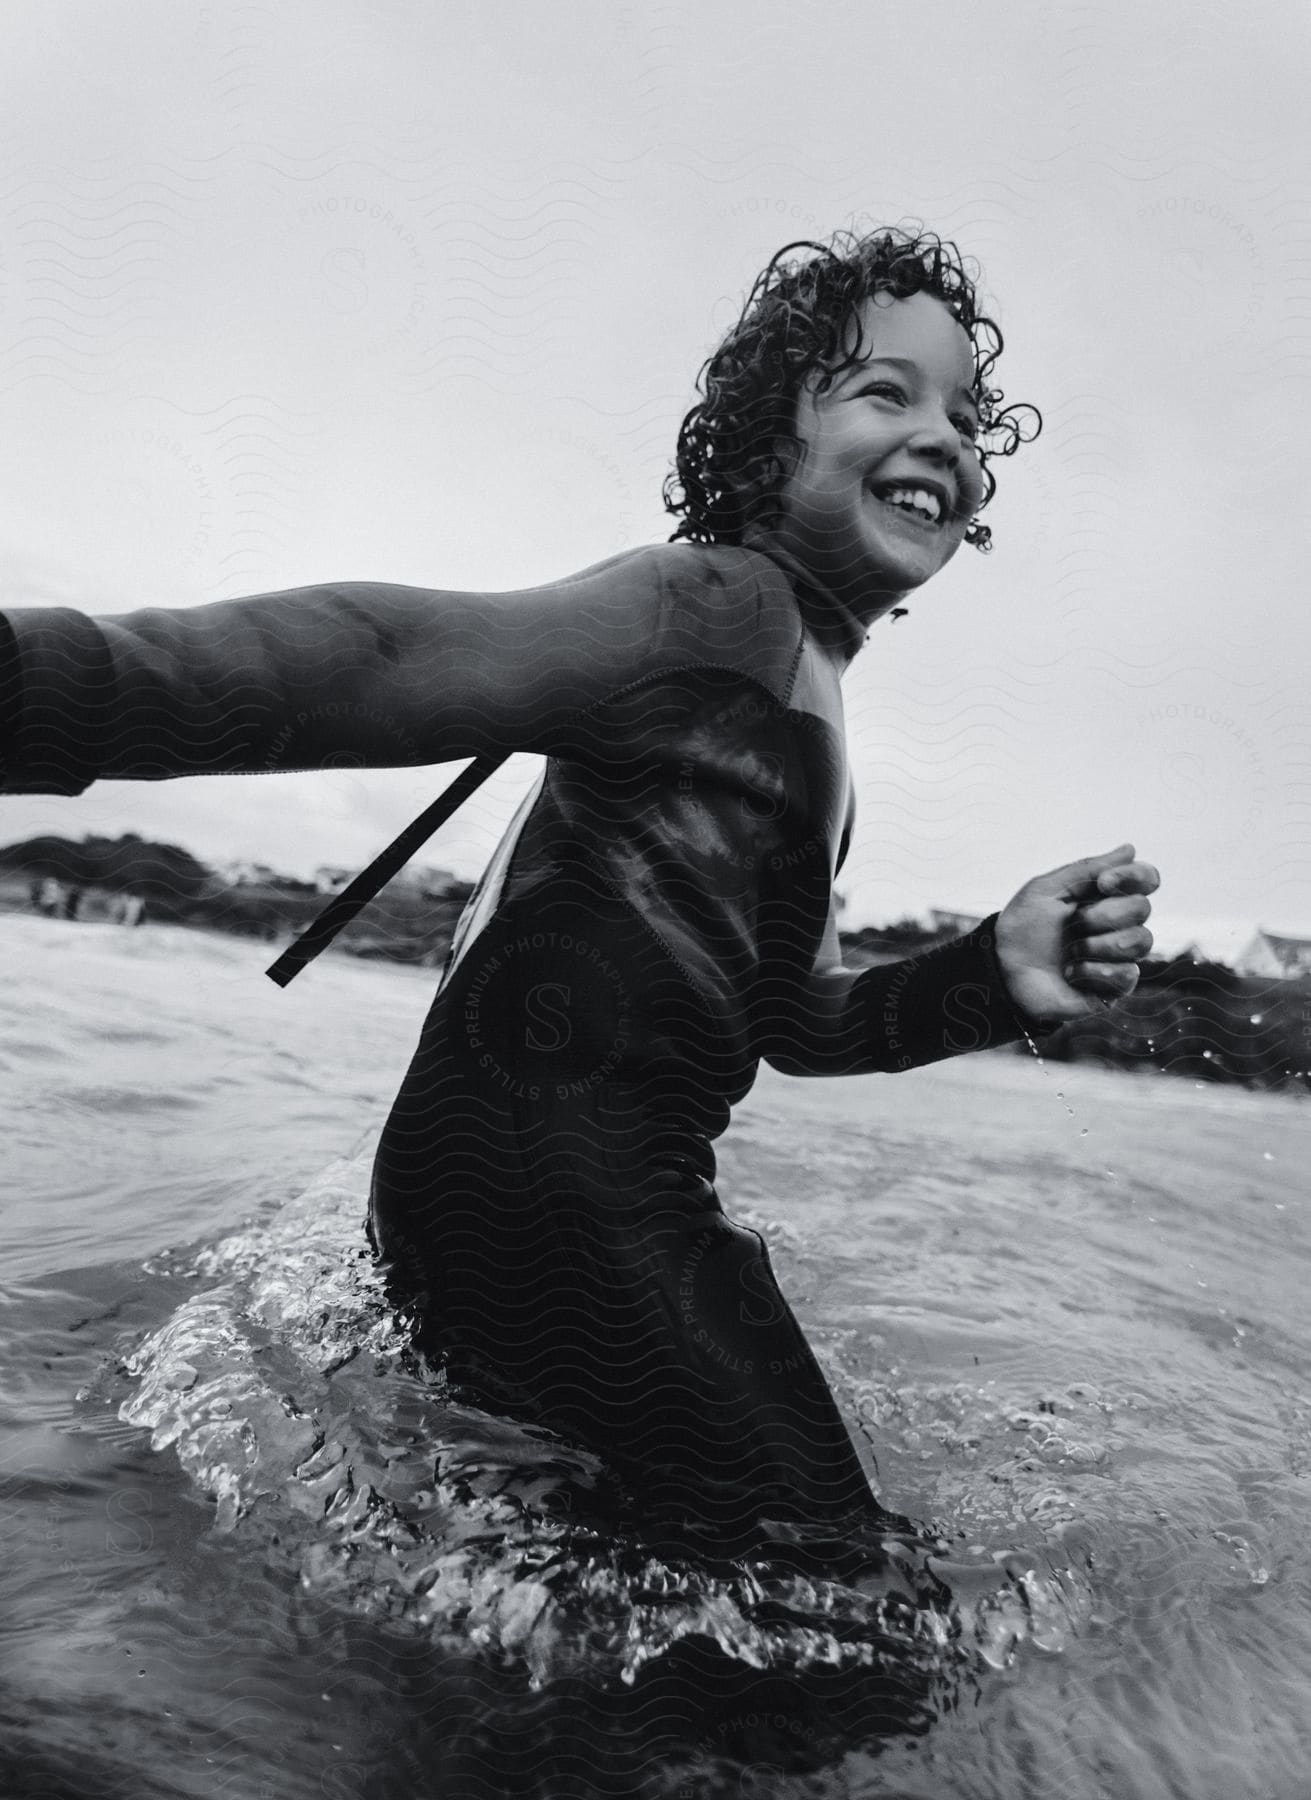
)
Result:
{"points": [[1074, 936]]}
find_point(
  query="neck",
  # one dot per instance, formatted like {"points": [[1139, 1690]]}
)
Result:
{"points": [[836, 621]]}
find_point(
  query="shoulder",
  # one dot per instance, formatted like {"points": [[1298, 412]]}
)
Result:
{"points": [[726, 572], [692, 571], [708, 604]]}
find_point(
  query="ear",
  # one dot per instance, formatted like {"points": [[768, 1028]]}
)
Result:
{"points": [[786, 454], [770, 471]]}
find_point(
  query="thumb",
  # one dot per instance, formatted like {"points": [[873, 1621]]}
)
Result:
{"points": [[1077, 880]]}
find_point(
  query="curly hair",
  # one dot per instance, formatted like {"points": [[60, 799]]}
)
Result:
{"points": [[796, 321]]}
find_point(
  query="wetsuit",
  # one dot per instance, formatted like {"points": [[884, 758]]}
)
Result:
{"points": [[657, 917]]}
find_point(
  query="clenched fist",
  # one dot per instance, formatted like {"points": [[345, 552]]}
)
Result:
{"points": [[1075, 936]]}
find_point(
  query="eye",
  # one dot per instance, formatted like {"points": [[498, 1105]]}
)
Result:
{"points": [[886, 390], [967, 425]]}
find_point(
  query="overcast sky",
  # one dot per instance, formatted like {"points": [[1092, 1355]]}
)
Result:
{"points": [[382, 288]]}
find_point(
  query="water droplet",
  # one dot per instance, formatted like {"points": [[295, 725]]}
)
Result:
{"points": [[1083, 1131], [1266, 1156]]}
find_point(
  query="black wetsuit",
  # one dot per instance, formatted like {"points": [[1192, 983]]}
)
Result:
{"points": [[657, 918]]}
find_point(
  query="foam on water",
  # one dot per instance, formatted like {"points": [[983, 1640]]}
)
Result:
{"points": [[286, 1387]]}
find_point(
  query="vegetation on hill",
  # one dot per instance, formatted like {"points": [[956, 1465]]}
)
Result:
{"points": [[1201, 1020], [404, 922], [170, 880]]}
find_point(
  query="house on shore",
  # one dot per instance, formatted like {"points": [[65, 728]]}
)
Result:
{"points": [[331, 880], [953, 924], [425, 880], [1271, 955], [241, 872]]}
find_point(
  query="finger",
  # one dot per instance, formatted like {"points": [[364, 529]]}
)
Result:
{"points": [[1129, 878], [1114, 946], [1074, 881], [1111, 915], [1115, 979]]}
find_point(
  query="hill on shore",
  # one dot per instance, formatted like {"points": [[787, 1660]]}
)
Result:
{"points": [[409, 921]]}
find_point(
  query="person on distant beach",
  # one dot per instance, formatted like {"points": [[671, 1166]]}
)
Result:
{"points": [[129, 909], [659, 916], [48, 897]]}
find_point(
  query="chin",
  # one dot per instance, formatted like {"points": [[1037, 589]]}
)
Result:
{"points": [[891, 586]]}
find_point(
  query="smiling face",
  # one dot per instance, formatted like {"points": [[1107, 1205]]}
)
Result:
{"points": [[888, 477]]}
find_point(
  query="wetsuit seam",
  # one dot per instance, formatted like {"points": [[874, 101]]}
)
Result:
{"points": [[641, 681], [795, 668]]}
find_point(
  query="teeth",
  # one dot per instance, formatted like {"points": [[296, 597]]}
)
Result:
{"points": [[918, 500]]}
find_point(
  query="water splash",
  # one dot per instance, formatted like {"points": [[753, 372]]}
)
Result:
{"points": [[290, 1395]]}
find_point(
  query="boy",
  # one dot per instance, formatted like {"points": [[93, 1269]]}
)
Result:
{"points": [[659, 915]]}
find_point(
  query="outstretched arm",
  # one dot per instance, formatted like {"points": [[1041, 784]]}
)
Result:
{"points": [[382, 675]]}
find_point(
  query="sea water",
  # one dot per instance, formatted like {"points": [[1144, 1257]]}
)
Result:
{"points": [[255, 1549]]}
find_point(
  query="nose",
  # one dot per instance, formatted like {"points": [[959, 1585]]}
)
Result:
{"points": [[935, 435]]}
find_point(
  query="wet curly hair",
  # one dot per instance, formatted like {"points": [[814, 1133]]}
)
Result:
{"points": [[796, 321]]}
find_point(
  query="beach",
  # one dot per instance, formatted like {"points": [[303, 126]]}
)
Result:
{"points": [[1063, 1308]]}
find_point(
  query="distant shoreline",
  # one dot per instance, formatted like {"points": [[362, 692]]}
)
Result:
{"points": [[1199, 1020]]}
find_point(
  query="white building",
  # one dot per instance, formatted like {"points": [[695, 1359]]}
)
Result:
{"points": [[1269, 954], [958, 923], [413, 879], [248, 874], [328, 880]]}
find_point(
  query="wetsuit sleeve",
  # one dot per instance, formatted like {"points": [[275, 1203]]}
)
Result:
{"points": [[380, 674], [11, 689], [896, 1015]]}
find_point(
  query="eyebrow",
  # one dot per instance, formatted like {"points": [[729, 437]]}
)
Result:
{"points": [[903, 362]]}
